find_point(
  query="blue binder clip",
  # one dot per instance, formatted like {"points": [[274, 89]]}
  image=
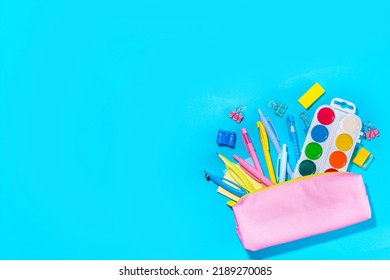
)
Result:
{"points": [[306, 123]]}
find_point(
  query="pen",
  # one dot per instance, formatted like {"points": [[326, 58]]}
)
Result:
{"points": [[264, 144], [237, 174], [251, 150], [253, 172], [274, 138], [282, 164], [228, 185], [292, 132]]}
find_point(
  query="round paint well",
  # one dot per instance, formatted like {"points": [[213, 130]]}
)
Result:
{"points": [[331, 170], [313, 150], [326, 116], [344, 142], [338, 159], [319, 133], [350, 124], [307, 167]]}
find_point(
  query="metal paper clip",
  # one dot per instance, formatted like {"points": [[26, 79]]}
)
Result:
{"points": [[306, 123], [279, 108], [238, 113], [370, 131]]}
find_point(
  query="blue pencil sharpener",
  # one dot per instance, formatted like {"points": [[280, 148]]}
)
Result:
{"points": [[226, 138]]}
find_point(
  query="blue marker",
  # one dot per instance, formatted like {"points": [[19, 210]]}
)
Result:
{"points": [[236, 189], [292, 133]]}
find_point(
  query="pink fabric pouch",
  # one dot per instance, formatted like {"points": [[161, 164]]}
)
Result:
{"points": [[300, 208]]}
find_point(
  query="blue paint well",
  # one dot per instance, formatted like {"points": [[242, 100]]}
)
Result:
{"points": [[319, 133]]}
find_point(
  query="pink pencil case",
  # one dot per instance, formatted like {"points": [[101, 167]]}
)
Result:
{"points": [[300, 208]]}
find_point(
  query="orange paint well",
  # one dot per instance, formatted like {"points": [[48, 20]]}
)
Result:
{"points": [[338, 159]]}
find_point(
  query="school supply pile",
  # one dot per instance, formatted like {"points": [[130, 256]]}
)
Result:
{"points": [[304, 195]]}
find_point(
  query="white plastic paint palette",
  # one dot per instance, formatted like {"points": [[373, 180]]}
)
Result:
{"points": [[331, 139]]}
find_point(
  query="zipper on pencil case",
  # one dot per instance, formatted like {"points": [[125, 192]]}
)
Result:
{"points": [[287, 182]]}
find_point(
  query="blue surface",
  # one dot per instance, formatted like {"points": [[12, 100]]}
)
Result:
{"points": [[109, 112]]}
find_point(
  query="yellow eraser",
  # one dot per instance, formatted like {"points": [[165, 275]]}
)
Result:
{"points": [[310, 96], [362, 157]]}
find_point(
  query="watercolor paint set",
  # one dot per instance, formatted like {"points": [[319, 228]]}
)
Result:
{"points": [[331, 139]]}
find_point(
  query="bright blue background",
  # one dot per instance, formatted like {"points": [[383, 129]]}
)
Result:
{"points": [[109, 112]]}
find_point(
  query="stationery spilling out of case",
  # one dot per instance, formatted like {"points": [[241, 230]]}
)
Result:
{"points": [[274, 206]]}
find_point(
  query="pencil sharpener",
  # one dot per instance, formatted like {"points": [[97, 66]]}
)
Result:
{"points": [[226, 138]]}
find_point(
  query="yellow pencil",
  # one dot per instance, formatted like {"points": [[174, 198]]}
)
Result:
{"points": [[237, 174], [264, 144]]}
